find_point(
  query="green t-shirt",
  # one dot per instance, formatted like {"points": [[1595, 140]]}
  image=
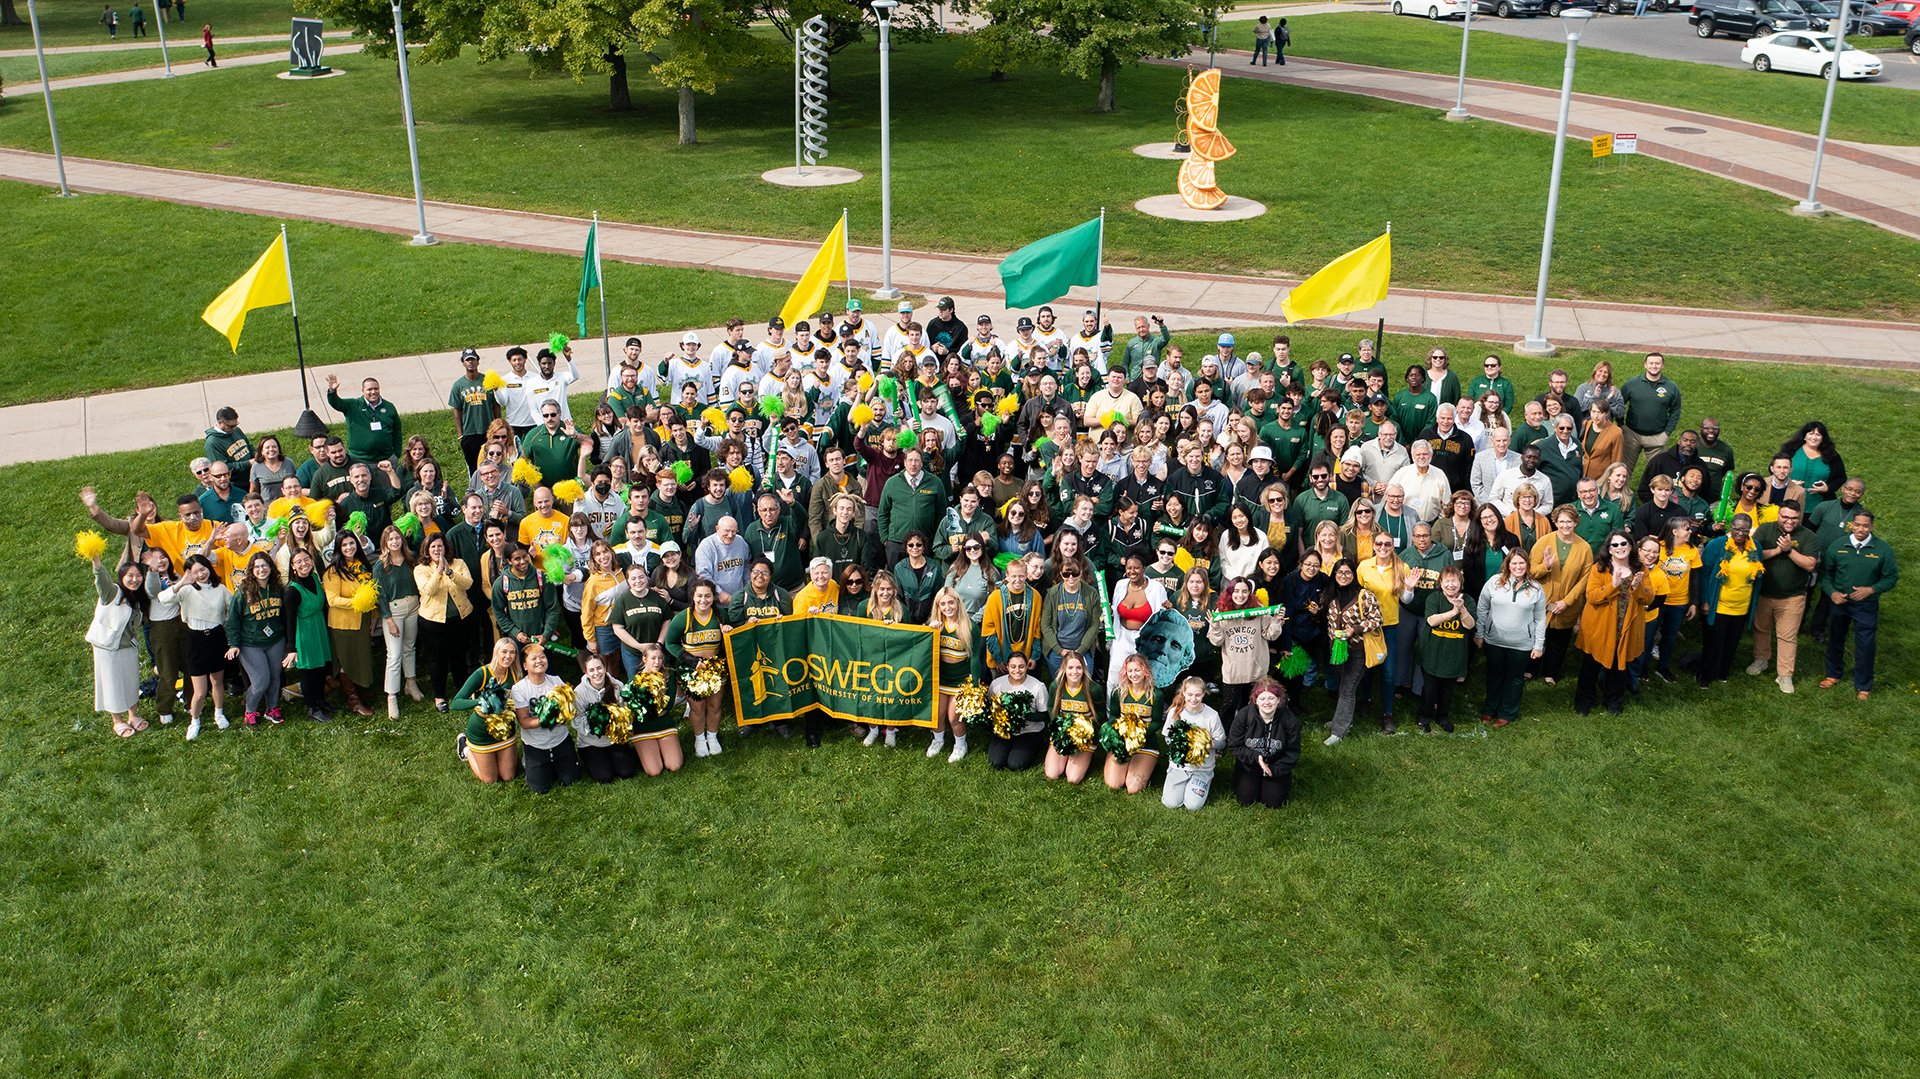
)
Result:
{"points": [[1781, 579], [473, 403], [1444, 648]]}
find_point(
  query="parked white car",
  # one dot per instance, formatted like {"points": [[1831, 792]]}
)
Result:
{"points": [[1807, 53], [1432, 9]]}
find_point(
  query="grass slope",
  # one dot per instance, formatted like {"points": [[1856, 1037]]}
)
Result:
{"points": [[116, 286], [1864, 112], [985, 167], [1712, 883]]}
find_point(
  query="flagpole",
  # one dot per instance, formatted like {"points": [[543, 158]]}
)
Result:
{"points": [[1099, 255], [606, 346], [846, 253], [308, 425]]}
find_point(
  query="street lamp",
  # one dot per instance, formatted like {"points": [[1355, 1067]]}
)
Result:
{"points": [[46, 91], [160, 24], [423, 237], [1573, 21], [1459, 110], [1810, 205], [883, 11]]}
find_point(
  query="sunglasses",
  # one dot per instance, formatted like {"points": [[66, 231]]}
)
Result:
{"points": [[971, 547], [1069, 574], [1318, 476]]}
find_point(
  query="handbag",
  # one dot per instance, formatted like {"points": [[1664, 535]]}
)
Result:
{"points": [[1375, 642]]}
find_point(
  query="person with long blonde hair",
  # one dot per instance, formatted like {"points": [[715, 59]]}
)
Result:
{"points": [[1075, 697], [960, 663]]}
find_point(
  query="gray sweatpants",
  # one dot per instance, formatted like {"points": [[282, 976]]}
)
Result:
{"points": [[1186, 788]]}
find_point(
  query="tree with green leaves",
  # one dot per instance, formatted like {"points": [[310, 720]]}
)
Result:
{"points": [[690, 45], [1085, 38]]}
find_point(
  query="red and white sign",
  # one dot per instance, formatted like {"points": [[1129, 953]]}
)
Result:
{"points": [[1626, 142]]}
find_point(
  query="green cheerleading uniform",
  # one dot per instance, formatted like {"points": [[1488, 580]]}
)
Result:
{"points": [[957, 663], [1069, 704], [1143, 707], [689, 640], [478, 684]]}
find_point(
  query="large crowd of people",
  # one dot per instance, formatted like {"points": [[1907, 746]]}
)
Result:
{"points": [[560, 586]]}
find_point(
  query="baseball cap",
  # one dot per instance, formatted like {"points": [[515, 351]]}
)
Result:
{"points": [[984, 320], [690, 338], [1226, 339], [634, 341], [945, 304], [776, 323], [670, 547], [1346, 357], [469, 354], [1025, 323], [1377, 399], [905, 308], [854, 305], [1262, 453]]}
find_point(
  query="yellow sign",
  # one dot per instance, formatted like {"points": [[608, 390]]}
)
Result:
{"points": [[1602, 145]]}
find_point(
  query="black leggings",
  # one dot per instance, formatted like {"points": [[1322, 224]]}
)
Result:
{"points": [[608, 763], [1250, 786], [313, 690], [443, 645], [1016, 754], [548, 767], [1436, 699], [1719, 639], [1233, 697]]}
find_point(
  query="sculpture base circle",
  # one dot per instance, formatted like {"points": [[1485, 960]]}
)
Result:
{"points": [[1175, 208], [1161, 151], [296, 76], [815, 176]]}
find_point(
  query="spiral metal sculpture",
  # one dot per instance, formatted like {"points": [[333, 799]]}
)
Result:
{"points": [[812, 60]]}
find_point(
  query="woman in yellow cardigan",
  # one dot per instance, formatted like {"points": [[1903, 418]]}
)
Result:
{"points": [[347, 628], [443, 582], [1560, 562]]}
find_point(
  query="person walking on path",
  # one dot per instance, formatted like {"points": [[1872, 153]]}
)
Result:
{"points": [[138, 15], [110, 19], [1262, 40], [206, 36], [1282, 37]]}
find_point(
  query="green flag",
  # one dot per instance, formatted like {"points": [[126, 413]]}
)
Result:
{"points": [[785, 667], [589, 273], [1044, 270]]}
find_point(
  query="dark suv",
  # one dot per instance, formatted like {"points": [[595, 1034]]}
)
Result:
{"points": [[1746, 18], [1507, 9]]}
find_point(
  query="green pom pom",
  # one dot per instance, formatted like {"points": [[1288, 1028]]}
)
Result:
{"points": [[989, 423], [772, 407], [1295, 664], [1337, 655], [357, 523], [1042, 442], [409, 524], [274, 526], [683, 472], [887, 387], [557, 559], [558, 343], [906, 439], [1002, 561]]}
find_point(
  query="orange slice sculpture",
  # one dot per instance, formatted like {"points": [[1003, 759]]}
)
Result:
{"points": [[1196, 180]]}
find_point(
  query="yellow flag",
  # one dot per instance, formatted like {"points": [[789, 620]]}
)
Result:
{"points": [[1352, 282], [265, 285], [829, 265]]}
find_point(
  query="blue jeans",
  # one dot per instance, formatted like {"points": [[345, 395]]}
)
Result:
{"points": [[1671, 618], [1640, 9], [1384, 676], [1637, 670], [1864, 617], [607, 643], [1260, 49]]}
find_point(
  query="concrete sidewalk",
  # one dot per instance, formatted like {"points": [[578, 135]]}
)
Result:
{"points": [[1876, 184], [152, 417], [183, 40], [191, 65]]}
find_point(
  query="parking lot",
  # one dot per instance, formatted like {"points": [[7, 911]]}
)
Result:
{"points": [[1671, 37]]}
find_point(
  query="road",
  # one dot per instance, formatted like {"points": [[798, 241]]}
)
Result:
{"points": [[1671, 37]]}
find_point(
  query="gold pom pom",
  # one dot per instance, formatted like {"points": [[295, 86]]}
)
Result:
{"points": [[740, 480], [492, 381], [1009, 404], [524, 472], [366, 597], [89, 545], [317, 511], [860, 415], [569, 491]]}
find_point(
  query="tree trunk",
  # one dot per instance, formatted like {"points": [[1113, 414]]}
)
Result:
{"points": [[621, 98], [996, 75], [1109, 71], [9, 16], [687, 136]]}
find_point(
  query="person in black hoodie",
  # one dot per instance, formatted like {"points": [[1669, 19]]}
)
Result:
{"points": [[1265, 743]]}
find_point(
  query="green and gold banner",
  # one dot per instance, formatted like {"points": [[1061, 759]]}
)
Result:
{"points": [[849, 668]]}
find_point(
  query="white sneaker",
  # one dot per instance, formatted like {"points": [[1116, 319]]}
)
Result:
{"points": [[166, 719], [1785, 682], [873, 735], [713, 743], [1758, 666], [700, 745], [893, 737], [193, 729], [220, 720], [959, 751], [1332, 740], [939, 743]]}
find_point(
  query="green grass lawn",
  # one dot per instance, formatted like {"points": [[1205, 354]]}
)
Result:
{"points": [[20, 70], [989, 175], [116, 285], [77, 22], [1861, 111], [1714, 883]]}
